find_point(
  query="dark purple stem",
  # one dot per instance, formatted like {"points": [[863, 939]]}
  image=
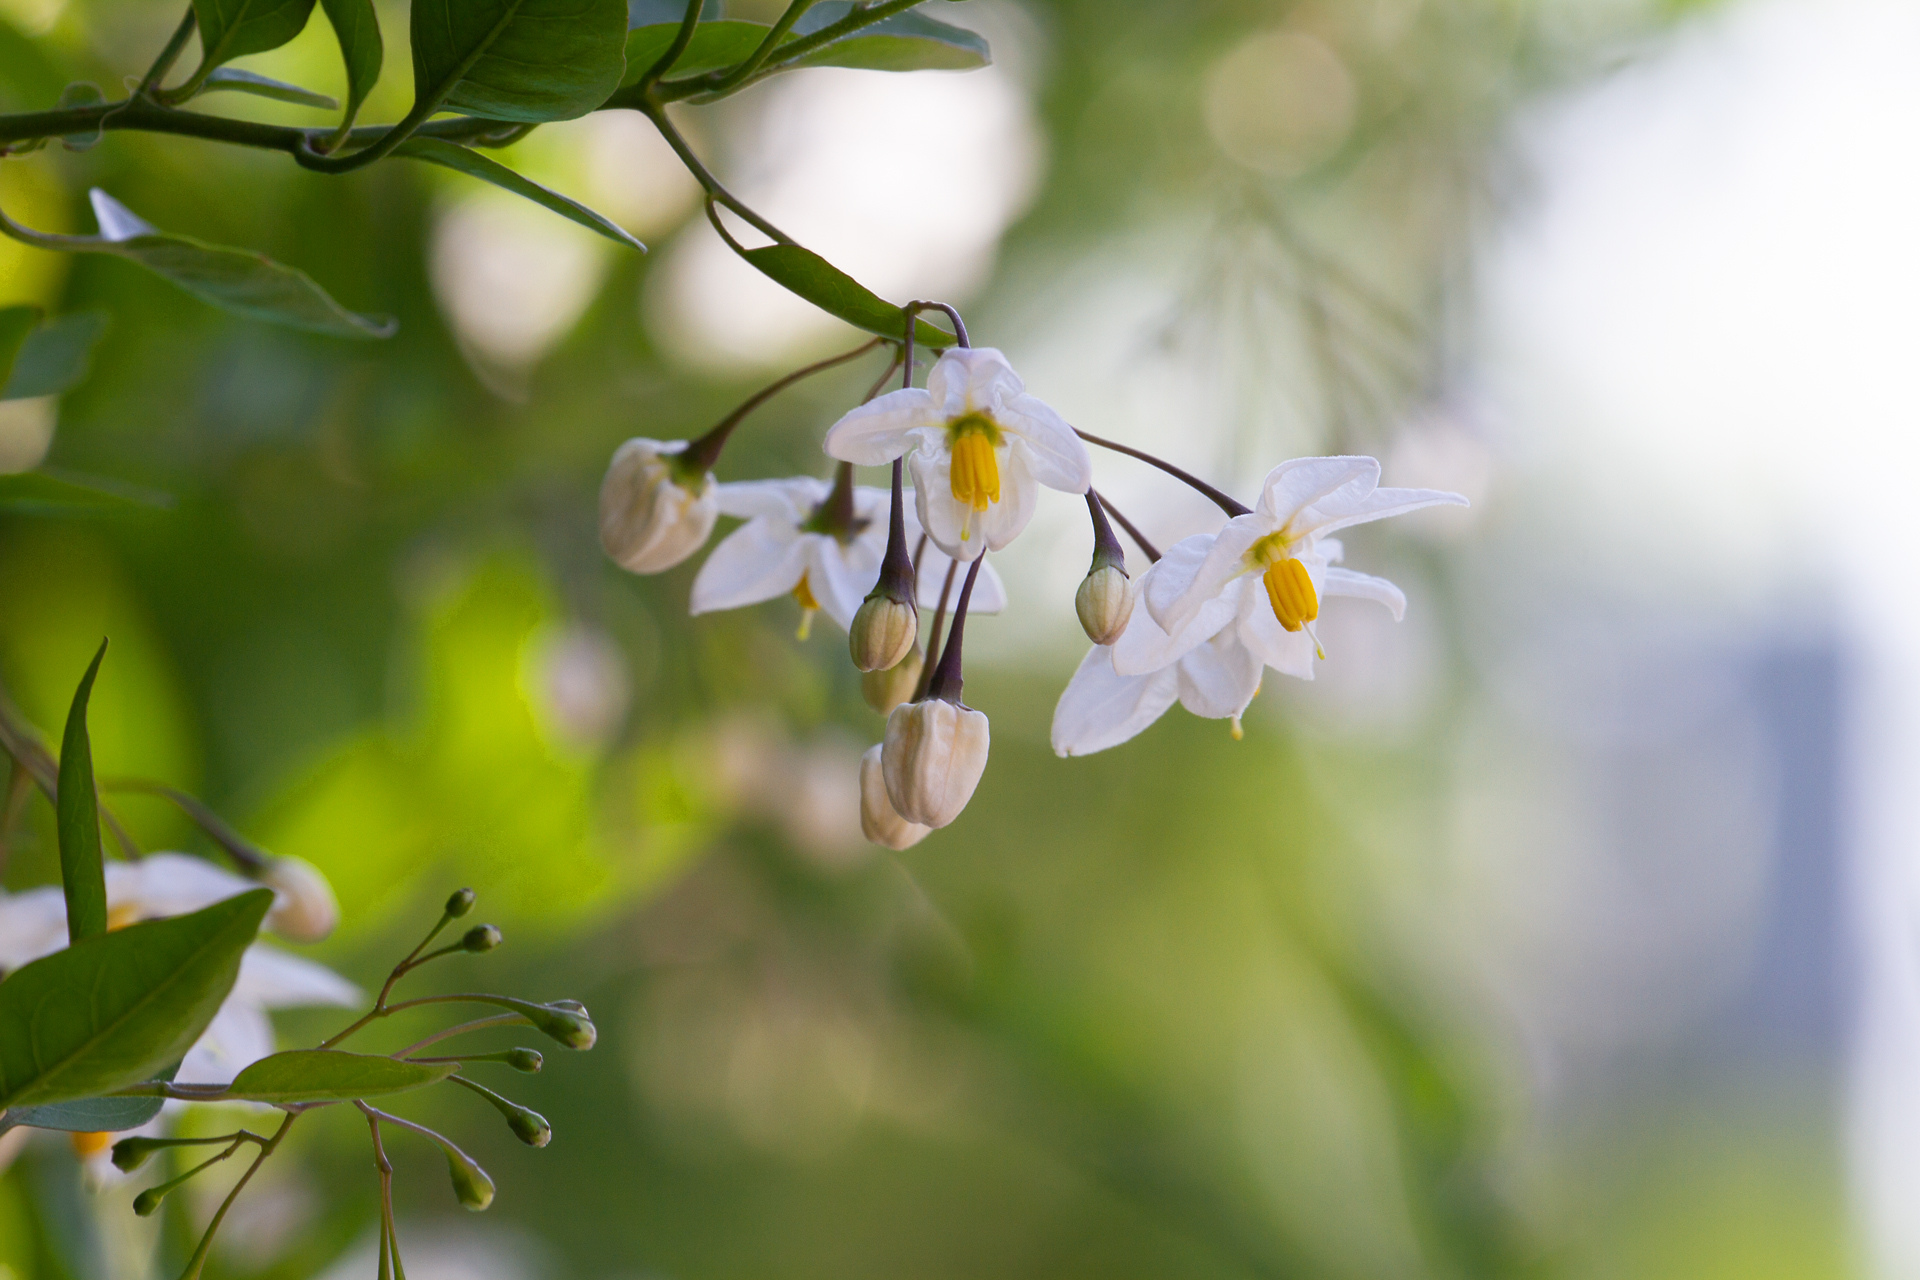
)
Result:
{"points": [[947, 680]]}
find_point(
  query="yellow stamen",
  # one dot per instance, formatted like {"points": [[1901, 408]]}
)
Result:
{"points": [[976, 471], [1233, 727], [803, 594], [1290, 592], [90, 1144], [123, 915]]}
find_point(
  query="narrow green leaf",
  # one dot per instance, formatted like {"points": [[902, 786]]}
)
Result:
{"points": [[81, 871], [328, 1075], [247, 284], [806, 273], [232, 29], [150, 990], [472, 163], [907, 41], [16, 323], [49, 493], [265, 87], [357, 27], [55, 357], [525, 60]]}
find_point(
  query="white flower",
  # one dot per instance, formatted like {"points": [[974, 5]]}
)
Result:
{"points": [[649, 520], [932, 759], [304, 909], [1209, 628], [783, 550], [981, 444], [880, 822]]}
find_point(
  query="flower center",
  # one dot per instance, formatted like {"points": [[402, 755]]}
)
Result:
{"points": [[803, 596], [976, 472], [1290, 592]]}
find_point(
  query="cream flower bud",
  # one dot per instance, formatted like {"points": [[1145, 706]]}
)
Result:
{"points": [[879, 821], [932, 759], [1104, 603], [886, 689], [882, 632], [649, 519], [305, 910]]}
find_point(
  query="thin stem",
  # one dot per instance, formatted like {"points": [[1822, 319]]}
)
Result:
{"points": [[199, 1260], [700, 456], [959, 327], [478, 1024], [19, 787], [389, 1242], [948, 680], [933, 636], [658, 114], [785, 55], [775, 34], [413, 960], [142, 115], [1106, 547], [880, 383], [681, 39], [250, 859], [897, 581], [1146, 547], [150, 82], [1221, 500]]}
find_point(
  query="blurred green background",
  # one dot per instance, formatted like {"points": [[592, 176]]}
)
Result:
{"points": [[1195, 1007]]}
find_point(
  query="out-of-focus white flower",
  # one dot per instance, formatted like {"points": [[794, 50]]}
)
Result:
{"points": [[932, 759], [650, 520], [784, 549], [304, 908], [34, 924], [981, 446], [880, 822]]}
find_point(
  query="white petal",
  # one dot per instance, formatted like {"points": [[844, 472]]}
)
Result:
{"points": [[1338, 512], [792, 499], [1299, 482], [758, 561], [881, 430], [941, 516], [1290, 653], [1219, 678], [1345, 582], [1144, 646], [1226, 559], [172, 884], [1058, 458], [117, 222], [968, 379], [275, 979], [1003, 521], [32, 924], [1331, 550], [840, 576], [1100, 708]]}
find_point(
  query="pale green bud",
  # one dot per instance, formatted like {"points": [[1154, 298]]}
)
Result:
{"points": [[1104, 603], [470, 1182], [883, 631], [527, 1060], [529, 1126], [885, 690], [482, 937], [460, 903]]}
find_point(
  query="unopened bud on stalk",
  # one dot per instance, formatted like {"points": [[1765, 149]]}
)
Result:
{"points": [[880, 822], [130, 1153], [526, 1060], [459, 903], [574, 1030], [470, 1182], [883, 631], [305, 909], [482, 937], [529, 1126], [885, 690], [1104, 603], [149, 1200], [651, 515], [932, 759]]}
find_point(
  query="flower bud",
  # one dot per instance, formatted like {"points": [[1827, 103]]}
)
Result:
{"points": [[574, 1030], [460, 903], [650, 520], [883, 630], [529, 1126], [526, 1060], [304, 909], [884, 690], [130, 1153], [470, 1181], [1104, 603], [879, 821], [149, 1200], [932, 759], [482, 937]]}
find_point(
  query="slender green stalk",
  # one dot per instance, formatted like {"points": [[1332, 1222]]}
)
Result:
{"points": [[706, 87], [198, 1262], [658, 114], [775, 34], [150, 83], [681, 39]]}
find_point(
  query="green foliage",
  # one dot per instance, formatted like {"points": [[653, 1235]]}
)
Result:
{"points": [[42, 493], [85, 1115], [331, 1075], [357, 27], [524, 60], [903, 42], [15, 324], [54, 357], [473, 164], [81, 872], [232, 29], [806, 273], [152, 989], [263, 87]]}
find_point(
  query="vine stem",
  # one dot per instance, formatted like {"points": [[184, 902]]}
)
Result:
{"points": [[657, 113], [775, 34], [478, 1024], [704, 452], [1146, 548], [199, 1260], [701, 86], [150, 83], [1227, 504]]}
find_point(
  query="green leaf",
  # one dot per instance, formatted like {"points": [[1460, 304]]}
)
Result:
{"points": [[904, 42], [328, 1075], [265, 87], [643, 13], [81, 871], [55, 357], [806, 273], [247, 284], [16, 323], [150, 990], [232, 29], [89, 1115], [357, 28], [49, 493], [714, 45], [525, 60], [472, 163]]}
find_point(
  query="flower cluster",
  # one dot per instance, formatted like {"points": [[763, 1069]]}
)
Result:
{"points": [[1219, 608]]}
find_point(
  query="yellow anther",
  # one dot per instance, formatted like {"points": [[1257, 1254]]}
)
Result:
{"points": [[123, 915], [803, 596], [1290, 591], [90, 1144], [976, 472], [1233, 727]]}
